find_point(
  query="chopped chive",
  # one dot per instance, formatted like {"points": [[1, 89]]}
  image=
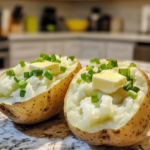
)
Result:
{"points": [[26, 75], [31, 73], [88, 78], [83, 76], [34, 61], [95, 60], [129, 78], [22, 84], [102, 67], [94, 98], [16, 79], [42, 55], [22, 93], [22, 64], [79, 81], [53, 58], [58, 61], [63, 69], [128, 86], [45, 56], [132, 94], [37, 72], [91, 72], [132, 65], [59, 56], [112, 63], [40, 60], [48, 74], [125, 72], [71, 57], [135, 89], [10, 73], [90, 67]]}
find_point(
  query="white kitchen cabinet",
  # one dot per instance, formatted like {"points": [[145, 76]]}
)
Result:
{"points": [[55, 47], [120, 50], [26, 51], [72, 48], [93, 49]]}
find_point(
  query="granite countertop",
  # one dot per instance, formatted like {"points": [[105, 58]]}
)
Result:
{"points": [[129, 37], [54, 133]]}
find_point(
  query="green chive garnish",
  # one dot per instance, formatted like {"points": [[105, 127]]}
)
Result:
{"points": [[48, 74], [59, 56], [79, 81], [71, 57], [10, 73], [128, 86], [112, 63], [58, 61], [102, 67], [91, 72], [63, 69], [22, 64], [38, 60], [34, 61], [88, 78], [90, 67], [16, 79], [26, 75], [31, 73], [94, 98], [53, 58], [83, 76], [45, 56], [132, 94], [132, 65], [135, 89], [124, 71], [22, 84], [95, 60], [37, 72], [22, 93]]}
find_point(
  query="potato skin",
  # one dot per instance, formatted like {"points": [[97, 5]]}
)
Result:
{"points": [[42, 106], [132, 132]]}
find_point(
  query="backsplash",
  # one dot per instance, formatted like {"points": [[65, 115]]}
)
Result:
{"points": [[129, 11]]}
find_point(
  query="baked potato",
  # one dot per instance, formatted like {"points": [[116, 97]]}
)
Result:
{"points": [[34, 92], [112, 109]]}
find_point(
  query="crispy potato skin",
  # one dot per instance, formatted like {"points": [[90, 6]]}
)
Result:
{"points": [[42, 106], [132, 132]]}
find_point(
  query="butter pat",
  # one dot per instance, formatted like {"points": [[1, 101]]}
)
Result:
{"points": [[46, 65], [108, 81]]}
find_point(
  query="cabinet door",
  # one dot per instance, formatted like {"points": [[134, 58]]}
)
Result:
{"points": [[55, 47], [26, 51], [120, 50], [72, 48], [92, 49]]}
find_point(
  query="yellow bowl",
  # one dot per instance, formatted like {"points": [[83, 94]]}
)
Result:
{"points": [[77, 25]]}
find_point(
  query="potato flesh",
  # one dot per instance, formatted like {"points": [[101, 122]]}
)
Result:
{"points": [[111, 112], [8, 86]]}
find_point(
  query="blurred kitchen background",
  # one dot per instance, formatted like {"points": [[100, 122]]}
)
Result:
{"points": [[117, 29]]}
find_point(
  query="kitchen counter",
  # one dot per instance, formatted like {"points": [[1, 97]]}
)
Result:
{"points": [[54, 133], [129, 37]]}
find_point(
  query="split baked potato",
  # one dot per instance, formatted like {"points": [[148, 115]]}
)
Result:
{"points": [[113, 114], [34, 92]]}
